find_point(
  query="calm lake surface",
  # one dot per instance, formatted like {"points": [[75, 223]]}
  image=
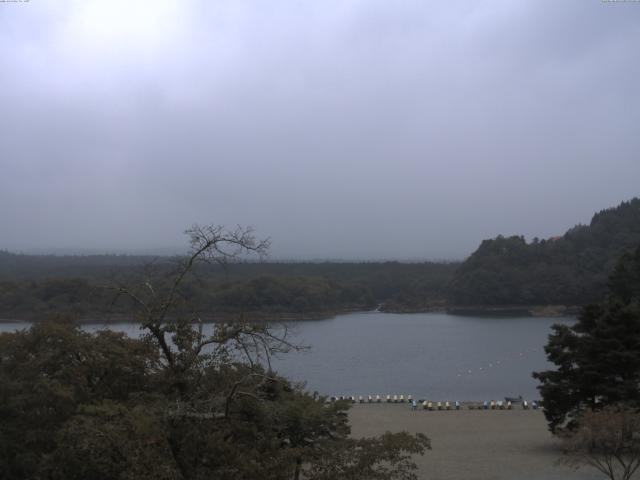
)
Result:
{"points": [[427, 355]]}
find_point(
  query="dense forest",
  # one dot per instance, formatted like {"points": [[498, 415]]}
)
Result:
{"points": [[567, 270], [31, 286], [505, 271]]}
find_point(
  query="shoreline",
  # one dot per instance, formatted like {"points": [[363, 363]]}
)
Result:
{"points": [[559, 311], [217, 318]]}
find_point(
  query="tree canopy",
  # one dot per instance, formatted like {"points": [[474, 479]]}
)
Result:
{"points": [[597, 358], [178, 403], [571, 269], [33, 287]]}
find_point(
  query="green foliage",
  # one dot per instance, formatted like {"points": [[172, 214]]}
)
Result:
{"points": [[51, 369], [569, 270], [177, 404], [298, 294], [385, 458], [598, 358], [33, 287], [76, 405]]}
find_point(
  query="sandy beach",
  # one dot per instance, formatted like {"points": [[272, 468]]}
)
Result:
{"points": [[474, 444]]}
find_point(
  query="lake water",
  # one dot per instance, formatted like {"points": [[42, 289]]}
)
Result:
{"points": [[427, 355]]}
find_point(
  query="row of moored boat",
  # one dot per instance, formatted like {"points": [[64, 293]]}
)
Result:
{"points": [[431, 405]]}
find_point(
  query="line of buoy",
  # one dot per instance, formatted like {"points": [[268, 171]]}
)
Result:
{"points": [[510, 357]]}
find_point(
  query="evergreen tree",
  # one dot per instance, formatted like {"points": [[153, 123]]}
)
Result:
{"points": [[568, 270], [598, 358]]}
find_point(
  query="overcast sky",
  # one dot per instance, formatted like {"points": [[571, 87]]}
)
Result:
{"points": [[340, 129]]}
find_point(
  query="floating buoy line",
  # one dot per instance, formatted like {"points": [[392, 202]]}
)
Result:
{"points": [[496, 363], [425, 404]]}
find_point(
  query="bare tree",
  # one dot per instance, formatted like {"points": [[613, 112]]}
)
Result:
{"points": [[171, 322], [608, 440]]}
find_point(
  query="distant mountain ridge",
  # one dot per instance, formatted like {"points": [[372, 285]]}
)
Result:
{"points": [[567, 270]]}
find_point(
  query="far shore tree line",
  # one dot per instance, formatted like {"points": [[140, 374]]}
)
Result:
{"points": [[569, 270], [34, 286]]}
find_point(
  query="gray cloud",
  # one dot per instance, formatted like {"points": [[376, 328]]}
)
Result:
{"points": [[351, 129]]}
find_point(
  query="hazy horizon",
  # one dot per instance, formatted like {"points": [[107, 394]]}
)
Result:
{"points": [[341, 130], [183, 249]]}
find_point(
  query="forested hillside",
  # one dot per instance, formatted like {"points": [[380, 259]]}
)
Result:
{"points": [[34, 285], [505, 271], [569, 270]]}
